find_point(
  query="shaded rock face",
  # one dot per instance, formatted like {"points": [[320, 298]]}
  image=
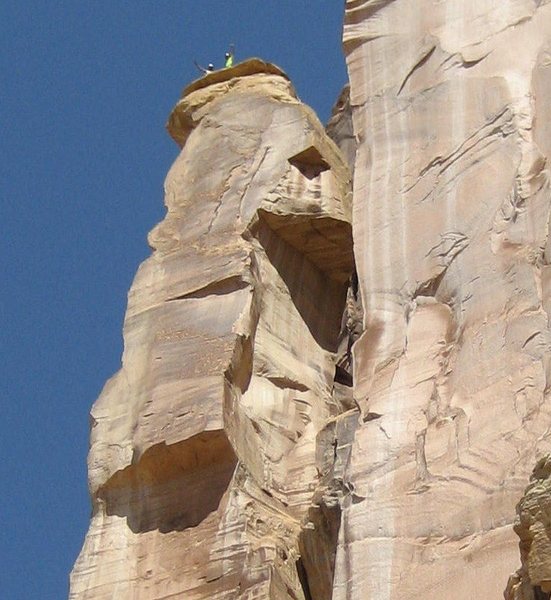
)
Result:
{"points": [[450, 104], [533, 526], [203, 464], [340, 127]]}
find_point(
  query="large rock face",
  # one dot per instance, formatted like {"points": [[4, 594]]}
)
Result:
{"points": [[451, 104], [288, 426], [202, 464]]}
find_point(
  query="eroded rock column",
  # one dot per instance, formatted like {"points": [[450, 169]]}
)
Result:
{"points": [[202, 462], [451, 104]]}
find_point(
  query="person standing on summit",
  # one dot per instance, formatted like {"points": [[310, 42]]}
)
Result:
{"points": [[229, 56]]}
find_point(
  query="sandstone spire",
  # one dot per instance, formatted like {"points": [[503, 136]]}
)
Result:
{"points": [[202, 464]]}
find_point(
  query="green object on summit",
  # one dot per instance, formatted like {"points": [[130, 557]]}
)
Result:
{"points": [[229, 56]]}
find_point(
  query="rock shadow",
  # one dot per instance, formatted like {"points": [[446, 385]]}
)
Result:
{"points": [[539, 594], [318, 550], [309, 162], [318, 298], [174, 487]]}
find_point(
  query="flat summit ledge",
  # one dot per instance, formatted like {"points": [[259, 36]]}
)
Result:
{"points": [[186, 114], [252, 66]]}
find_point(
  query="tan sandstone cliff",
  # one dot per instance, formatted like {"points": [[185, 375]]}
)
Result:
{"points": [[451, 102], [290, 425]]}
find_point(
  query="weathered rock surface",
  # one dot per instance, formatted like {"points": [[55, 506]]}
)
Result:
{"points": [[533, 526], [451, 104], [287, 425], [202, 465]]}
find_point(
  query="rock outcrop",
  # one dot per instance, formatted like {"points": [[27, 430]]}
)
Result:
{"points": [[533, 526], [203, 464], [450, 104]]}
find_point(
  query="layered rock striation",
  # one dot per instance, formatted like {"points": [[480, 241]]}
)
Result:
{"points": [[203, 464], [450, 103]]}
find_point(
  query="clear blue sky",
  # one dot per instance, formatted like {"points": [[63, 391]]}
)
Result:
{"points": [[86, 87]]}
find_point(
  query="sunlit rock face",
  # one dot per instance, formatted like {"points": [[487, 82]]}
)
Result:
{"points": [[451, 104], [203, 464], [287, 424]]}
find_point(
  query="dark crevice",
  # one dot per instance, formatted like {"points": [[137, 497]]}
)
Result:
{"points": [[309, 162], [539, 594], [469, 64], [318, 545], [287, 384], [303, 578], [430, 287], [239, 371], [343, 376], [530, 338], [309, 171], [371, 416], [416, 66], [354, 284]]}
